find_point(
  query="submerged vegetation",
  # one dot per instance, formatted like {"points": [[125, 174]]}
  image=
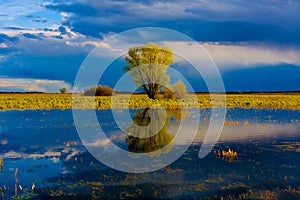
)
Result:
{"points": [[1, 164], [229, 155], [64, 101]]}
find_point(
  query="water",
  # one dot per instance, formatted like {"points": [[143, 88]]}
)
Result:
{"points": [[48, 152]]}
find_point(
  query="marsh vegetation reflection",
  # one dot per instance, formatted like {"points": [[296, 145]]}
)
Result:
{"points": [[139, 143]]}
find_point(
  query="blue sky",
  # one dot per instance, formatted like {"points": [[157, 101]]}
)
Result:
{"points": [[255, 44]]}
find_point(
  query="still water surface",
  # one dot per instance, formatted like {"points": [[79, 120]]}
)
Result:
{"points": [[48, 152]]}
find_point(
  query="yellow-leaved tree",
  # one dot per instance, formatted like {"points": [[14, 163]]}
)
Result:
{"points": [[148, 65]]}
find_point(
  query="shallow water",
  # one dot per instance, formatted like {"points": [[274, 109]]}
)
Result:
{"points": [[48, 152]]}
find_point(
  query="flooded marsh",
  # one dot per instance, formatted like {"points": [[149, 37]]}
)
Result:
{"points": [[51, 161]]}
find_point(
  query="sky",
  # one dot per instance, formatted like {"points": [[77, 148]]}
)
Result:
{"points": [[255, 44]]}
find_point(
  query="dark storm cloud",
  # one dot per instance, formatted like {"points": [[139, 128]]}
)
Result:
{"points": [[62, 30], [76, 8], [29, 16], [272, 21], [58, 37], [32, 36], [13, 28], [40, 20], [6, 38]]}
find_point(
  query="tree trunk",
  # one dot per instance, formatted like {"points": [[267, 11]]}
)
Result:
{"points": [[152, 91]]}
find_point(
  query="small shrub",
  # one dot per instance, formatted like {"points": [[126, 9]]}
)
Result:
{"points": [[177, 90], [98, 91], [168, 94], [63, 90]]}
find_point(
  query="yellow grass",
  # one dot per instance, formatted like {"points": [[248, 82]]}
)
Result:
{"points": [[64, 101]]}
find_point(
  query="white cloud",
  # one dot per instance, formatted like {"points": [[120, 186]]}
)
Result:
{"points": [[47, 43], [13, 154], [3, 45], [226, 56], [253, 131], [12, 33], [40, 85], [88, 43], [247, 55], [74, 152], [238, 55], [98, 143], [3, 142]]}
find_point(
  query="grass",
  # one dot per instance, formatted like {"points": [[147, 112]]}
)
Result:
{"points": [[64, 101]]}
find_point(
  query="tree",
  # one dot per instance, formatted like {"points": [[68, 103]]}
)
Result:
{"points": [[148, 65], [63, 90]]}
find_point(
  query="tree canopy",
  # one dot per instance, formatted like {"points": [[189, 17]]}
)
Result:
{"points": [[63, 90], [148, 64]]}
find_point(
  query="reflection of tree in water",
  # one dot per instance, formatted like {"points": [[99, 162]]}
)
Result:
{"points": [[156, 141]]}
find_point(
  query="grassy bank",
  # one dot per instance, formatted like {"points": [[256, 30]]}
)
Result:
{"points": [[64, 101]]}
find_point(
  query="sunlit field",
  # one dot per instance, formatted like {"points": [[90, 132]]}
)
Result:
{"points": [[64, 101]]}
